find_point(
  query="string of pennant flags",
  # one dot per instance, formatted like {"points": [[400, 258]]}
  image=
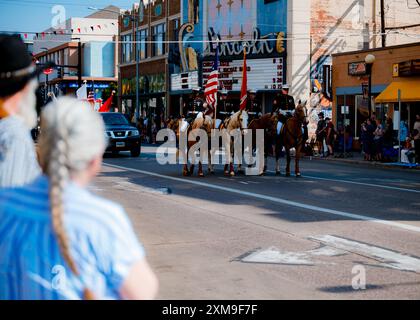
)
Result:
{"points": [[92, 28]]}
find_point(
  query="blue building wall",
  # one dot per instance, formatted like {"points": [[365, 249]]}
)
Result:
{"points": [[272, 16], [99, 59]]}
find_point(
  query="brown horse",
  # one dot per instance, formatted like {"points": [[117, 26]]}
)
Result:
{"points": [[291, 136], [178, 125], [200, 123], [268, 123]]}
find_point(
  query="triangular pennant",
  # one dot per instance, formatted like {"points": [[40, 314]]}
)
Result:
{"points": [[92, 27], [78, 29], [99, 27]]}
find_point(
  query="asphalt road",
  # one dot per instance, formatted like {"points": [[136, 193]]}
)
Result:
{"points": [[273, 237]]}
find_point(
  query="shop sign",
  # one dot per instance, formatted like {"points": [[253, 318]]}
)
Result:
{"points": [[409, 68], [357, 68], [184, 81], [263, 74], [395, 70]]}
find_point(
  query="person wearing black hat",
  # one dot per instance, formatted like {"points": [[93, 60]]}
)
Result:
{"points": [[284, 104], [18, 161], [321, 133], [195, 106], [253, 105]]}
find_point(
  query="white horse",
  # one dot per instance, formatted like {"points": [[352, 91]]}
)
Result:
{"points": [[231, 128]]}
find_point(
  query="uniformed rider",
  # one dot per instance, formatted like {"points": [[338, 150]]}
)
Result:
{"points": [[253, 105], [284, 104]]}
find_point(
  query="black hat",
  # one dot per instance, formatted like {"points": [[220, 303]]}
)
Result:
{"points": [[321, 114], [16, 67]]}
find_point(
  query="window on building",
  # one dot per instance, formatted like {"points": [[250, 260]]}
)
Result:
{"points": [[175, 29], [142, 44], [158, 38], [126, 46]]}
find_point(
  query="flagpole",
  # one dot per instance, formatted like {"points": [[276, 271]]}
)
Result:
{"points": [[217, 95]]}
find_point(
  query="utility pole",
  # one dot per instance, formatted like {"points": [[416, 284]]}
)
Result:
{"points": [[79, 62], [383, 35], [374, 23]]}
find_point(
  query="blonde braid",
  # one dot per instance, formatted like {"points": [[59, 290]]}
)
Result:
{"points": [[56, 160]]}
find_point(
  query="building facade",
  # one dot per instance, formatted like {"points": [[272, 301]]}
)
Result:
{"points": [[395, 68], [97, 35], [232, 24], [145, 32]]}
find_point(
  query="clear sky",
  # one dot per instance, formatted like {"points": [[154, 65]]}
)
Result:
{"points": [[36, 15]]}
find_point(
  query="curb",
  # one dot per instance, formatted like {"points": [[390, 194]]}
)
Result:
{"points": [[365, 163]]}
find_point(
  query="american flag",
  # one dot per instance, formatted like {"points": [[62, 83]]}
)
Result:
{"points": [[210, 91]]}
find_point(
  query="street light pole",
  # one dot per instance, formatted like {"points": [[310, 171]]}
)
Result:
{"points": [[136, 24], [369, 60]]}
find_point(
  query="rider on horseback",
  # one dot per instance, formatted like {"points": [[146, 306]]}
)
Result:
{"points": [[284, 103], [253, 105]]}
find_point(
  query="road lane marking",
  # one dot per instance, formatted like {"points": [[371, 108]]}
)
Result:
{"points": [[388, 258], [274, 199], [360, 183], [273, 255]]}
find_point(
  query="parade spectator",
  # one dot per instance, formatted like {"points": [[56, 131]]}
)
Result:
{"points": [[330, 137], [403, 132], [55, 228], [378, 136], [320, 132], [416, 135], [367, 139], [407, 152], [18, 161]]}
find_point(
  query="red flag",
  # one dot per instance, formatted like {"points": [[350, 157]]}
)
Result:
{"points": [[244, 87], [106, 107]]}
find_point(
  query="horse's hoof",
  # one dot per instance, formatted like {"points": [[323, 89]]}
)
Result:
{"points": [[211, 172], [232, 174], [226, 173], [241, 172], [298, 175], [262, 174], [201, 175], [277, 173], [185, 173], [287, 174]]}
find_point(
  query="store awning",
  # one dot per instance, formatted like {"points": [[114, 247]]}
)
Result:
{"points": [[410, 91]]}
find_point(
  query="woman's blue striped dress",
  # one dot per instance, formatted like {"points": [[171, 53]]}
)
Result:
{"points": [[102, 242]]}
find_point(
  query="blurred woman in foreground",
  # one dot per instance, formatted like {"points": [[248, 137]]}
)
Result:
{"points": [[59, 241]]}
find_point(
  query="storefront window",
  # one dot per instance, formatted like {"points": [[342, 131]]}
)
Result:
{"points": [[350, 118]]}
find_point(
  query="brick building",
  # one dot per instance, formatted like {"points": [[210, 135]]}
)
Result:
{"points": [[158, 22], [395, 67]]}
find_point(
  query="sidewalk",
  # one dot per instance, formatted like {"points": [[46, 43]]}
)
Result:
{"points": [[357, 158]]}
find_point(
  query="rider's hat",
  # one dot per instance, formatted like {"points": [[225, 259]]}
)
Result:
{"points": [[321, 114], [285, 87], [196, 89], [252, 91], [224, 92]]}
